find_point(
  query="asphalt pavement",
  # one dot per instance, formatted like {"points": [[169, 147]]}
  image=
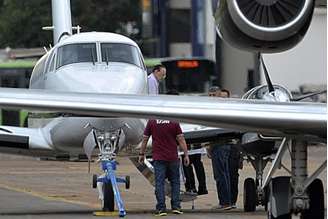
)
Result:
{"points": [[30, 188]]}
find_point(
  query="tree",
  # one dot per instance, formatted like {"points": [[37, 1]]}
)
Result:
{"points": [[21, 21], [122, 16]]}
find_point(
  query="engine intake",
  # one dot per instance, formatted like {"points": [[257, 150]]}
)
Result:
{"points": [[264, 25]]}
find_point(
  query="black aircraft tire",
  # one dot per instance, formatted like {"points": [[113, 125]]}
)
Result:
{"points": [[286, 216], [270, 216], [266, 197], [277, 182], [94, 181], [108, 203], [317, 205], [249, 195]]}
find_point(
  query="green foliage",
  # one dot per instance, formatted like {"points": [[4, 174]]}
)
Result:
{"points": [[21, 21], [108, 16]]}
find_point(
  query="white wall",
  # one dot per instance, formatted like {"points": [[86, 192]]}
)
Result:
{"points": [[307, 62], [235, 66]]}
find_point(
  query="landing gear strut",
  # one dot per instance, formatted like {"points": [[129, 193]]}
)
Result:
{"points": [[254, 194]]}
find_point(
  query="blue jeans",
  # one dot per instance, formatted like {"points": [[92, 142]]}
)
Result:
{"points": [[171, 169], [220, 164]]}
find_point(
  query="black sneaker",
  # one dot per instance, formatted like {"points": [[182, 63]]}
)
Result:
{"points": [[177, 211], [160, 213]]}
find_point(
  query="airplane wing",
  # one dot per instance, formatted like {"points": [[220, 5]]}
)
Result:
{"points": [[15, 139], [282, 119], [197, 134]]}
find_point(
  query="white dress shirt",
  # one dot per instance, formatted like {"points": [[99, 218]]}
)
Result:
{"points": [[152, 85]]}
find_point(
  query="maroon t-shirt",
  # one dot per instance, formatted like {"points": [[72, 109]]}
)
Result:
{"points": [[164, 134]]}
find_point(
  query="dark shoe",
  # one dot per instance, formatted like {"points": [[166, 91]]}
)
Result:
{"points": [[222, 207], [177, 211], [191, 191], [202, 192], [160, 213]]}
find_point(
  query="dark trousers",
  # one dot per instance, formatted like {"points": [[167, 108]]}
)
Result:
{"points": [[195, 160], [162, 170], [234, 175], [220, 164]]}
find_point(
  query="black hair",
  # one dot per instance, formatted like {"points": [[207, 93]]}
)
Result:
{"points": [[227, 91], [158, 67], [214, 89]]}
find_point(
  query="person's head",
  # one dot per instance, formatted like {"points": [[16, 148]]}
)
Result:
{"points": [[214, 91], [160, 72], [224, 93]]}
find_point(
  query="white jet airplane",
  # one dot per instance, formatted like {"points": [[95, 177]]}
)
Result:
{"points": [[87, 90], [93, 62]]}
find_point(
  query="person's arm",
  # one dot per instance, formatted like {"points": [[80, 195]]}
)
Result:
{"points": [[143, 148], [183, 145], [147, 134]]}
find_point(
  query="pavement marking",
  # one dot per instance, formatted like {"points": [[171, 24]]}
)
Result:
{"points": [[106, 213], [47, 197]]}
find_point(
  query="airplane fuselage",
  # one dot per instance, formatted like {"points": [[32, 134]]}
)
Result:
{"points": [[89, 63]]}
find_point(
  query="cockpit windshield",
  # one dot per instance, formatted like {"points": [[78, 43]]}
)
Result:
{"points": [[76, 53], [118, 52]]}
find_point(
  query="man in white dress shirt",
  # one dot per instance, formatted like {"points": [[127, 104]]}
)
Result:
{"points": [[158, 74]]}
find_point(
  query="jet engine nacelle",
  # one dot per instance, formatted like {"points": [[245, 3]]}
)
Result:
{"points": [[264, 25]]}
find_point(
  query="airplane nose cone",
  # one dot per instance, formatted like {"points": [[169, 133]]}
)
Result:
{"points": [[100, 78]]}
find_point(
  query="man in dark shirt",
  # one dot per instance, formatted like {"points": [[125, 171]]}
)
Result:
{"points": [[165, 135], [219, 152], [234, 163]]}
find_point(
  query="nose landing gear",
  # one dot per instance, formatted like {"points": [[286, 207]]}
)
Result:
{"points": [[107, 183]]}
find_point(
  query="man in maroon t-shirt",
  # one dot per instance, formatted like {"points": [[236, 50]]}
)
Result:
{"points": [[165, 135]]}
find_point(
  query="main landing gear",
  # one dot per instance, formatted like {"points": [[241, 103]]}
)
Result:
{"points": [[298, 194]]}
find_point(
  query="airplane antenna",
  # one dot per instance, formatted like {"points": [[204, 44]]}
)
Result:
{"points": [[266, 73], [77, 28], [45, 49]]}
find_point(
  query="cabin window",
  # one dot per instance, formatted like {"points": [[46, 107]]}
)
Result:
{"points": [[40, 66], [142, 62], [51, 62], [76, 53], [118, 52]]}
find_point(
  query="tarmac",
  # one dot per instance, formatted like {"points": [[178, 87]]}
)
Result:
{"points": [[31, 188]]}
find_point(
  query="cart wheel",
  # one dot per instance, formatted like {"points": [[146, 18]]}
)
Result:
{"points": [[108, 202], [94, 181], [127, 182]]}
